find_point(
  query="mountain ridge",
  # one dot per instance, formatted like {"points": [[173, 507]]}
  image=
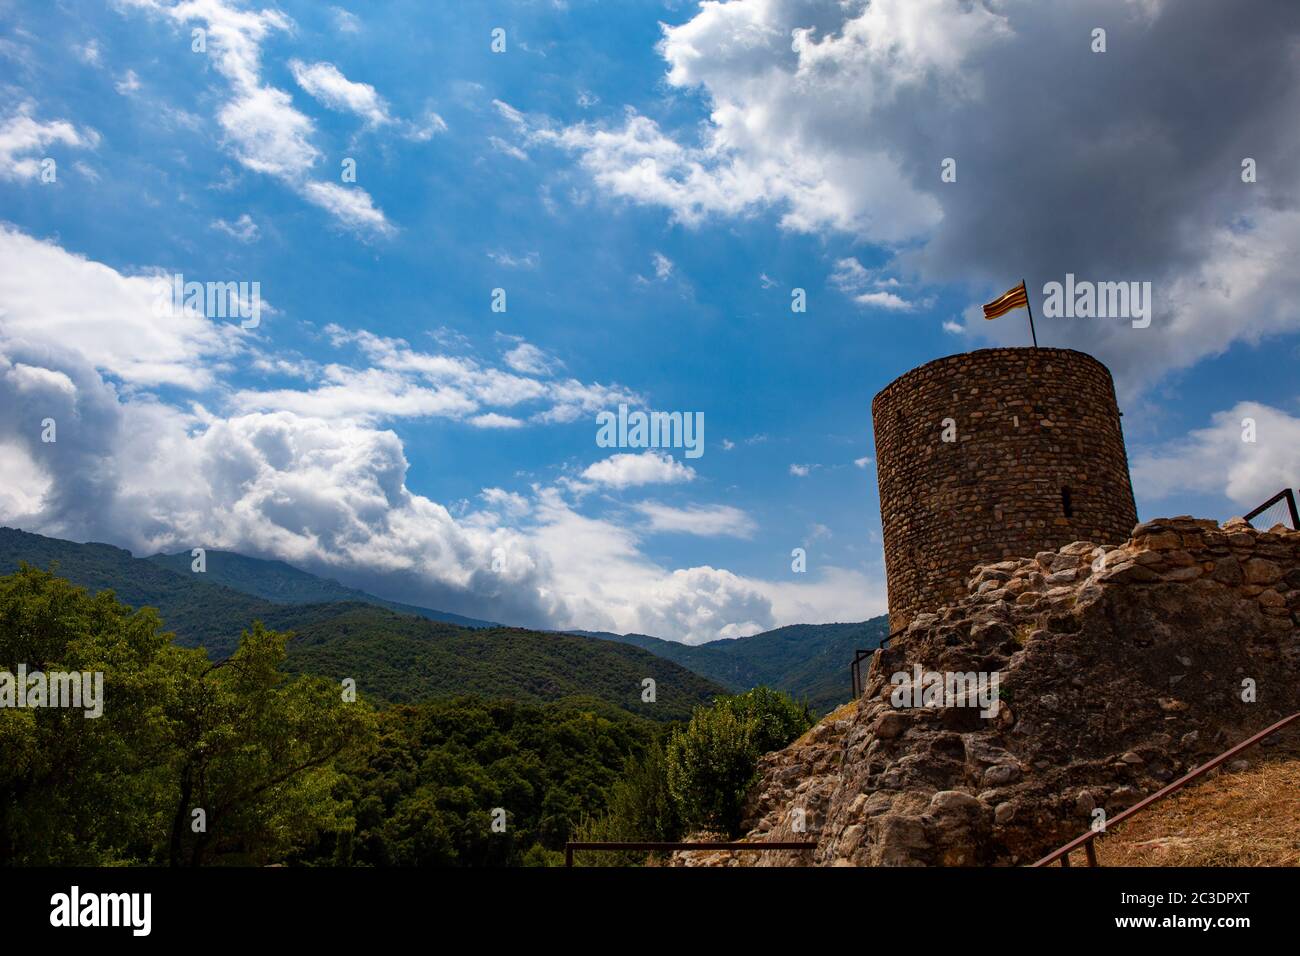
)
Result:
{"points": [[809, 661], [282, 583]]}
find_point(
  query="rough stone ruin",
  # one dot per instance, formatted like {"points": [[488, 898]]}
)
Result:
{"points": [[1121, 668]]}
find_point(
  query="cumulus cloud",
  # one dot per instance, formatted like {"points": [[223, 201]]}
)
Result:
{"points": [[837, 116], [1219, 458], [529, 359], [23, 140], [51, 299], [647, 468], [314, 476], [332, 497]]}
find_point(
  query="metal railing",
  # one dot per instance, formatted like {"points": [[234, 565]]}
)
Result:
{"points": [[1086, 841], [571, 847], [861, 654], [1287, 495]]}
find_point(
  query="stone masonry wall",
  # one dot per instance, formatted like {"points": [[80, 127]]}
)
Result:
{"points": [[1030, 423]]}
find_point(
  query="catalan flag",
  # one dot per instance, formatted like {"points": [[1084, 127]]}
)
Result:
{"points": [[1017, 298]]}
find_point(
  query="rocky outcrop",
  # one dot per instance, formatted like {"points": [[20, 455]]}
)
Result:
{"points": [[1119, 668]]}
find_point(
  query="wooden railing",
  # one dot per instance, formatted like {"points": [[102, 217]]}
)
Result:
{"points": [[1086, 841]]}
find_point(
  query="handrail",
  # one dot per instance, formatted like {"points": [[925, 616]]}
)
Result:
{"points": [[1086, 841], [1285, 494], [571, 846], [859, 655]]}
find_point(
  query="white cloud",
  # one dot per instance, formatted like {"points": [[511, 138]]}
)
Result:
{"points": [[349, 204], [52, 300], [836, 116], [801, 471], [260, 124], [528, 359], [647, 468], [426, 128], [88, 52], [1216, 458], [396, 381], [883, 300], [528, 260], [328, 85], [501, 146], [311, 474], [345, 21], [128, 84], [852, 278], [242, 229], [863, 461], [708, 521], [663, 266], [23, 140], [495, 420]]}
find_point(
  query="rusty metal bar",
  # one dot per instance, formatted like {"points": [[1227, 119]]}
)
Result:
{"points": [[1063, 854], [859, 655], [856, 670], [571, 846]]}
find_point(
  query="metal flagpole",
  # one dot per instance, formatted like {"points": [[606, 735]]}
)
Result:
{"points": [[1030, 310]]}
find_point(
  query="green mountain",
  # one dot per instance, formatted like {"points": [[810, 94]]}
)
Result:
{"points": [[394, 657], [400, 658], [199, 611], [285, 584], [808, 661]]}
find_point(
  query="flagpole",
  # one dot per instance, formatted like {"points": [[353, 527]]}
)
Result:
{"points": [[1030, 310]]}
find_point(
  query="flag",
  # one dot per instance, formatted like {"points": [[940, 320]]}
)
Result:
{"points": [[1017, 298]]}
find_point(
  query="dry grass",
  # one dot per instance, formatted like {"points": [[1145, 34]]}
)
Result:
{"points": [[1234, 819], [839, 713]]}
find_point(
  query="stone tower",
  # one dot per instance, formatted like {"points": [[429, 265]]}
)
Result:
{"points": [[994, 454]]}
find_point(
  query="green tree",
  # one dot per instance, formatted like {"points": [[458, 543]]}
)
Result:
{"points": [[77, 790], [258, 753], [710, 764]]}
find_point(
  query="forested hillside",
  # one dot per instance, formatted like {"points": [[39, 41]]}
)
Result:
{"points": [[394, 658], [400, 658], [808, 661], [285, 584], [191, 762]]}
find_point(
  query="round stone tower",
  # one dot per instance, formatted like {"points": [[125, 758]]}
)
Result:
{"points": [[994, 454]]}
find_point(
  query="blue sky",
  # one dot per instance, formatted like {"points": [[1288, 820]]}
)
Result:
{"points": [[648, 183]]}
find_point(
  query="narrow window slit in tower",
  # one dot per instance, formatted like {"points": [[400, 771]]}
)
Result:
{"points": [[1066, 504]]}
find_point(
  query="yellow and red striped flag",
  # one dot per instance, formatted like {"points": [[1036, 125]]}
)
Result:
{"points": [[1017, 298]]}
